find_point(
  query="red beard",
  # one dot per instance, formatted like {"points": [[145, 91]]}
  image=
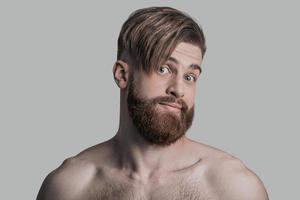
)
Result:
{"points": [[158, 127]]}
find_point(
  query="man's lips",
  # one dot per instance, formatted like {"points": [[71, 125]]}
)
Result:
{"points": [[174, 105]]}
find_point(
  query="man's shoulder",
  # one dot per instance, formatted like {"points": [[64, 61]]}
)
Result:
{"points": [[228, 176], [231, 179], [68, 180]]}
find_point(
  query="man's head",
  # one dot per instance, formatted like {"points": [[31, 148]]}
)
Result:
{"points": [[150, 35], [160, 51]]}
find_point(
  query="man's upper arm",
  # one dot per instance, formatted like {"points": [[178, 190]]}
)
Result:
{"points": [[52, 188], [234, 181], [66, 182], [246, 186]]}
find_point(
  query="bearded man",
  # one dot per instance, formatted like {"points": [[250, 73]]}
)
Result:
{"points": [[160, 51]]}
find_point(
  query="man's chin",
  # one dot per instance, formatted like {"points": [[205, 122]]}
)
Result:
{"points": [[165, 128], [153, 139]]}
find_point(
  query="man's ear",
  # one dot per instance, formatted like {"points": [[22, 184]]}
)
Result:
{"points": [[121, 73]]}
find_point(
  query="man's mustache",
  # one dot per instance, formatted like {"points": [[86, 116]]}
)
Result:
{"points": [[171, 99]]}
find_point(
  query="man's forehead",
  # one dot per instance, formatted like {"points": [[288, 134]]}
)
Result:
{"points": [[188, 51], [191, 66], [187, 54]]}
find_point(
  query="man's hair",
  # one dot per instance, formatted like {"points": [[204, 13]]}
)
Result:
{"points": [[150, 35]]}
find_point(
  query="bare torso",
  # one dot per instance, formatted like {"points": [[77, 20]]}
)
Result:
{"points": [[93, 175]]}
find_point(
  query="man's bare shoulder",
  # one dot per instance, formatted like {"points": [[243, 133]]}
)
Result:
{"points": [[68, 181], [229, 177], [233, 180], [76, 174]]}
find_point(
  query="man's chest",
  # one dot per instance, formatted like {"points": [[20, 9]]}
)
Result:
{"points": [[172, 189]]}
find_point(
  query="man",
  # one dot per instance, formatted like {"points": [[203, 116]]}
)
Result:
{"points": [[160, 51]]}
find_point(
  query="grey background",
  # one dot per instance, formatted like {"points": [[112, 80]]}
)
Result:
{"points": [[58, 96]]}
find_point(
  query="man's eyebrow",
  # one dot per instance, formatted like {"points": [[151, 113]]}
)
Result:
{"points": [[193, 66]]}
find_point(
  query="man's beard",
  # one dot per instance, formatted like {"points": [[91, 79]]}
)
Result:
{"points": [[157, 126]]}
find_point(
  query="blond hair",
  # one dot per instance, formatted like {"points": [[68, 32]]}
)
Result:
{"points": [[149, 36]]}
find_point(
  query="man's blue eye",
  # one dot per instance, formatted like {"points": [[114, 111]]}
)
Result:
{"points": [[164, 70], [190, 78]]}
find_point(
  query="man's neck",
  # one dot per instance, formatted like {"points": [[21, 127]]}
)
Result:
{"points": [[142, 160]]}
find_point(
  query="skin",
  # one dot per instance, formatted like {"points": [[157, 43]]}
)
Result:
{"points": [[129, 167]]}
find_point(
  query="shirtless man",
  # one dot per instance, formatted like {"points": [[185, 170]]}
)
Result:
{"points": [[160, 52]]}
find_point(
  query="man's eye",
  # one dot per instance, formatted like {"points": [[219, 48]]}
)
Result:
{"points": [[164, 69], [190, 78]]}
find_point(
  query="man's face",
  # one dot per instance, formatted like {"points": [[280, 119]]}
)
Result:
{"points": [[161, 103]]}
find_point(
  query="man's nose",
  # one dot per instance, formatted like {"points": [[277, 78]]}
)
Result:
{"points": [[176, 87]]}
